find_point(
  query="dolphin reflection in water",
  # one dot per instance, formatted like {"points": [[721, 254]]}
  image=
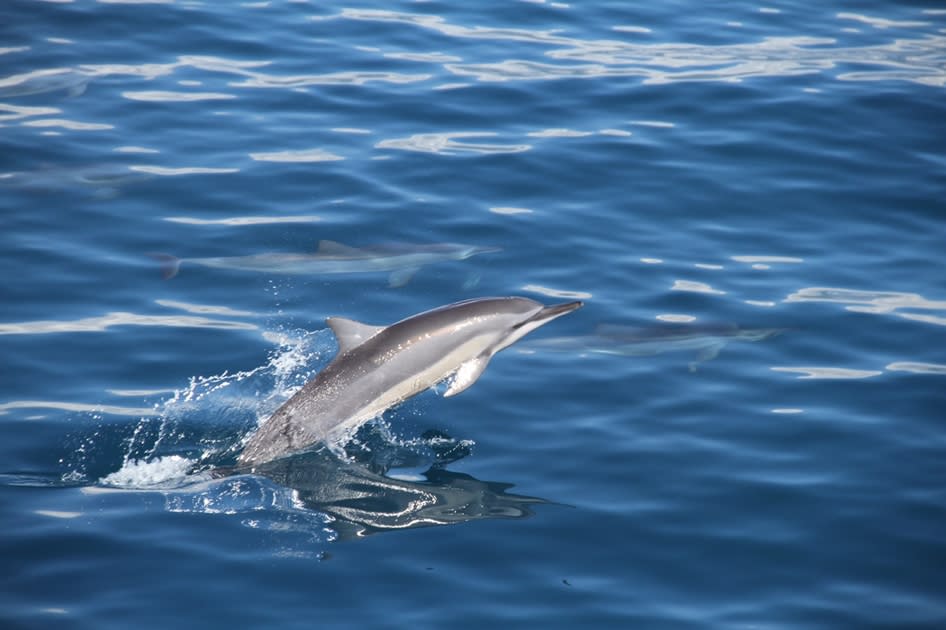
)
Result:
{"points": [[402, 261], [705, 340], [362, 500]]}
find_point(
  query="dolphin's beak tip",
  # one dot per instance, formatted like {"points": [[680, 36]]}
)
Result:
{"points": [[568, 307]]}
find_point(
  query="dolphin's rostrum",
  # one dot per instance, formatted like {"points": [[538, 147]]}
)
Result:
{"points": [[377, 367]]}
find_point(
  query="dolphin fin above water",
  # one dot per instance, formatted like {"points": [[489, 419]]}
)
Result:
{"points": [[378, 367], [350, 333]]}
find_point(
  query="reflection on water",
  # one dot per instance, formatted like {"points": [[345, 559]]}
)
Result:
{"points": [[305, 155], [766, 262], [824, 372], [320, 492], [556, 55], [261, 80], [881, 23], [206, 309], [14, 112], [246, 220], [118, 318], [446, 144], [919, 59], [164, 96], [828, 372], [71, 125], [917, 368], [880, 302], [114, 410], [557, 293], [695, 287], [364, 502], [185, 170]]}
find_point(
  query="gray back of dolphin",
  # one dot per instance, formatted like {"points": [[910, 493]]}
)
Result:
{"points": [[379, 367]]}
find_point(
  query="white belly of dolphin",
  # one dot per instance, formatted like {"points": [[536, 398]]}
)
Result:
{"points": [[400, 391]]}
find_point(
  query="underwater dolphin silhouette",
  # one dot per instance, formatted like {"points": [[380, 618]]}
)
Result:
{"points": [[614, 339], [401, 260], [378, 367]]}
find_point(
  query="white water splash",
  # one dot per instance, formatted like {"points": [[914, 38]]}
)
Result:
{"points": [[197, 427], [163, 472]]}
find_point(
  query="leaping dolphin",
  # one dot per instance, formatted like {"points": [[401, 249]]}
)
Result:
{"points": [[378, 367]]}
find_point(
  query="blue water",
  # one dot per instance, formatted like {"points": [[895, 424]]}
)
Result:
{"points": [[676, 165]]}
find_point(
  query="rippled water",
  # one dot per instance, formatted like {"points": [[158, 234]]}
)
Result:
{"points": [[743, 427]]}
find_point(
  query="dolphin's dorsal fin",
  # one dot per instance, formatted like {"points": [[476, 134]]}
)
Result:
{"points": [[467, 374], [333, 248], [351, 334], [77, 90]]}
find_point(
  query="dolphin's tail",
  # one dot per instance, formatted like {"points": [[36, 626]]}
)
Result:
{"points": [[170, 265]]}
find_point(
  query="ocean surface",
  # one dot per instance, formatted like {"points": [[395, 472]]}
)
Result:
{"points": [[744, 426]]}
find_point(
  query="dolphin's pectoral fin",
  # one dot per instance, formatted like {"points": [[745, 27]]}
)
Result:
{"points": [[467, 374], [401, 277], [706, 354], [350, 333]]}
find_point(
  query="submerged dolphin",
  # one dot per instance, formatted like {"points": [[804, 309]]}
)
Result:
{"points": [[378, 367], [402, 260], [705, 340], [70, 80], [102, 180]]}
